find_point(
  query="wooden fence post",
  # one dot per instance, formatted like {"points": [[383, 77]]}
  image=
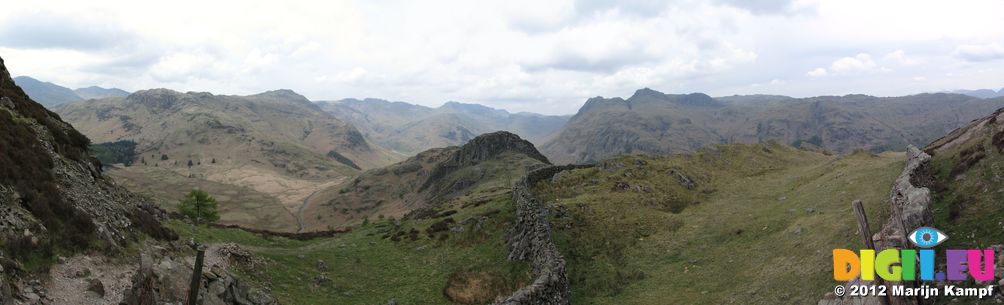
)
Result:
{"points": [[866, 238]]}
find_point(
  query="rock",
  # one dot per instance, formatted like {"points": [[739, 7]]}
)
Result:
{"points": [[684, 181], [611, 165], [810, 210], [31, 297], [321, 279], [96, 286], [321, 265]]}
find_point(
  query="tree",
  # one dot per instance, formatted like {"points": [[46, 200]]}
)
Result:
{"points": [[163, 157], [190, 163], [199, 205]]}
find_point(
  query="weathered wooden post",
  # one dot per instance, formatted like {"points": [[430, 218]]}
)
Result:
{"points": [[193, 291], [866, 238]]}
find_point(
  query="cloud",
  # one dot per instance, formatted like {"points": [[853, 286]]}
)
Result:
{"points": [[761, 6], [817, 72], [521, 55], [899, 57], [860, 62], [43, 30], [979, 52]]}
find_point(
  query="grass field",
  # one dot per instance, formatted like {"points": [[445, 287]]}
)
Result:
{"points": [[364, 267], [757, 228]]}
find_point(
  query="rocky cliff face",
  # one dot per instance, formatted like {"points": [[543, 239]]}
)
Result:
{"points": [[53, 195], [481, 148]]}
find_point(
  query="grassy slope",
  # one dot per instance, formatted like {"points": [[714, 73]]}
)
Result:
{"points": [[741, 244], [969, 205], [367, 268]]}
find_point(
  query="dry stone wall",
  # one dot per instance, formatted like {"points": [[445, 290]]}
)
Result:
{"points": [[530, 240]]}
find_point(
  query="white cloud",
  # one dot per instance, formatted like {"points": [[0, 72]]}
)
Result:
{"points": [[899, 57], [520, 55], [817, 72], [858, 63], [979, 52]]}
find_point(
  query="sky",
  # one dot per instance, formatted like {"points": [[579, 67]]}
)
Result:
{"points": [[536, 56]]}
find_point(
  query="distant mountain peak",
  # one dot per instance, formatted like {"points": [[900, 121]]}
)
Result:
{"points": [[46, 93], [647, 92], [283, 93], [95, 92]]}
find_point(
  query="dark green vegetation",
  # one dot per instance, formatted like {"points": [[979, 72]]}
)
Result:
{"points": [[412, 261], [199, 206], [341, 159], [119, 152], [725, 225], [650, 122], [968, 202]]}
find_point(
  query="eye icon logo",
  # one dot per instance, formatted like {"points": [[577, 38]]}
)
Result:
{"points": [[927, 237]]}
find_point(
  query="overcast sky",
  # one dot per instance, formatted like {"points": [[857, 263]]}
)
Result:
{"points": [[537, 56]]}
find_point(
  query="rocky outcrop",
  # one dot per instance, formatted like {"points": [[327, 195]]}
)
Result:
{"points": [[482, 148], [164, 278], [530, 240], [910, 201]]}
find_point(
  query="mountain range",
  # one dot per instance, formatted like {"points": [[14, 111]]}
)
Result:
{"points": [[50, 95], [651, 122], [981, 93], [409, 129], [275, 147]]}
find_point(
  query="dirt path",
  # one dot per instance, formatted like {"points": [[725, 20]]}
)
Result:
{"points": [[299, 214]]}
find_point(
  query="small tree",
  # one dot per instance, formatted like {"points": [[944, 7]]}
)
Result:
{"points": [[163, 157], [189, 163], [198, 205]]}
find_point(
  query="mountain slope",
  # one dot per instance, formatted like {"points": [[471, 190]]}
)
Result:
{"points": [[54, 197], [275, 144], [46, 93], [409, 129], [650, 122], [429, 180]]}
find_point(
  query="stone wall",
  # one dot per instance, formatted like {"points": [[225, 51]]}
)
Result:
{"points": [[530, 240], [910, 202]]}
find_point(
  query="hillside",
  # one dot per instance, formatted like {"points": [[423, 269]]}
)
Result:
{"points": [[664, 229], [650, 122], [433, 179], [967, 202], [54, 198], [262, 154], [409, 129]]}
